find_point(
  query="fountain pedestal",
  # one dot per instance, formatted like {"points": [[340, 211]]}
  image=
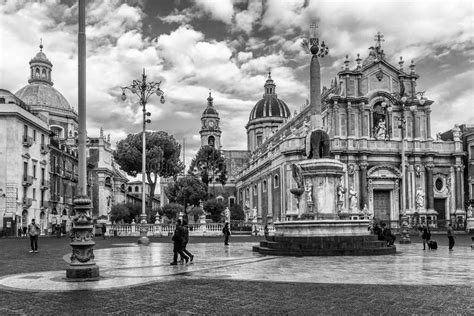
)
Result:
{"points": [[325, 233]]}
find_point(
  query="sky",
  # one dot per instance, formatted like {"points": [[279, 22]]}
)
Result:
{"points": [[228, 47]]}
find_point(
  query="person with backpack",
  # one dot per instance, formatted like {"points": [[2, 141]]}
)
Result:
{"points": [[226, 232], [33, 232], [426, 236], [178, 240], [185, 243]]}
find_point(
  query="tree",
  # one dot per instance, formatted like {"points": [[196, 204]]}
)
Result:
{"points": [[209, 164], [162, 157], [172, 209], [187, 190], [125, 212], [215, 208], [237, 212]]}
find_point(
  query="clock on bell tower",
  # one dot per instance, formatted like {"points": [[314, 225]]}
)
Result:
{"points": [[210, 131]]}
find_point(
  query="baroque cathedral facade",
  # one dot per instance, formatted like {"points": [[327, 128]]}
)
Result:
{"points": [[369, 108]]}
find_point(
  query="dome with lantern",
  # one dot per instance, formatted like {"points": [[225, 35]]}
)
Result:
{"points": [[269, 106], [40, 90]]}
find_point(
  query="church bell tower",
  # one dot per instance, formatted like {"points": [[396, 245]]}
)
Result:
{"points": [[210, 126]]}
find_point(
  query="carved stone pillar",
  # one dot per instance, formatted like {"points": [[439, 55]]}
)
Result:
{"points": [[337, 132], [82, 265], [458, 172], [363, 183], [429, 186]]}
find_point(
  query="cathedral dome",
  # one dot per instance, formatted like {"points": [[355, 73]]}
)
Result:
{"points": [[43, 94], [269, 105], [40, 91]]}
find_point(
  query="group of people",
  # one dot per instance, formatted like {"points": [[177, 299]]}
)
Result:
{"points": [[426, 236], [181, 238], [384, 233]]}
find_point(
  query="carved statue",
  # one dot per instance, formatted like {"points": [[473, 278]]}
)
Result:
{"points": [[309, 191], [340, 192], [381, 130], [353, 200], [469, 211], [296, 170], [456, 133], [318, 146], [420, 198], [254, 212], [227, 214]]}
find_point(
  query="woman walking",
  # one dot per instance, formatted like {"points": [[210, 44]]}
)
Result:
{"points": [[226, 232]]}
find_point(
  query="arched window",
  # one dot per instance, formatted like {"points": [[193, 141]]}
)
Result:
{"points": [[65, 212], [108, 182], [2, 100], [211, 141], [276, 181], [37, 73], [129, 189], [379, 121], [43, 73], [264, 184], [136, 189]]}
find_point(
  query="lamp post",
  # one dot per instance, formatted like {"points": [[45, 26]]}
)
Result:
{"points": [[144, 90], [404, 103]]}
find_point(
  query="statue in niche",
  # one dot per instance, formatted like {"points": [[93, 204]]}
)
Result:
{"points": [[420, 198], [254, 213], [309, 191], [379, 121], [381, 130], [317, 145], [353, 200], [469, 211]]}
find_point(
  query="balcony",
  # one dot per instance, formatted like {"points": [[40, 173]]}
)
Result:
{"points": [[27, 202], [44, 185], [27, 181], [45, 204], [27, 141], [44, 149]]}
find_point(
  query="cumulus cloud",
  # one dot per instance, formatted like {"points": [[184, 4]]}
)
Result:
{"points": [[221, 10]]}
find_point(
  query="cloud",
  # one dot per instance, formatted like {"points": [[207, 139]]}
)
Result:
{"points": [[221, 10], [246, 19]]}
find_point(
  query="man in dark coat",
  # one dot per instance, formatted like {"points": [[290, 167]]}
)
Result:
{"points": [[178, 241]]}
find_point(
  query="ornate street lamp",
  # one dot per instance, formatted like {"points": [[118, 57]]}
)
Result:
{"points": [[405, 103], [144, 90]]}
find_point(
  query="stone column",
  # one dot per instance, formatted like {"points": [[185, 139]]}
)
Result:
{"points": [[363, 183], [336, 119], [416, 125], [428, 124], [429, 186], [458, 172]]}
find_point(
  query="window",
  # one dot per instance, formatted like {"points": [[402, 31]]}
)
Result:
{"points": [[34, 193], [276, 181], [254, 189], [352, 126], [2, 100], [25, 130], [136, 189], [129, 189], [409, 127], [34, 171], [439, 184], [34, 135], [42, 139], [25, 169], [396, 126], [343, 125], [42, 175], [472, 152], [259, 139], [231, 201], [264, 184]]}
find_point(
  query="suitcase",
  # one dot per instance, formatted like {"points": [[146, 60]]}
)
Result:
{"points": [[432, 244]]}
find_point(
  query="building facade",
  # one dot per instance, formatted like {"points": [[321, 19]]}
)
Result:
{"points": [[365, 112]]}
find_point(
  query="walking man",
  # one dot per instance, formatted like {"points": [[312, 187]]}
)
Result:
{"points": [[226, 232], [450, 233], [178, 240], [33, 232], [185, 242]]}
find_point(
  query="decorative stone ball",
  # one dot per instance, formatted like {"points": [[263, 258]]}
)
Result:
{"points": [[314, 49]]}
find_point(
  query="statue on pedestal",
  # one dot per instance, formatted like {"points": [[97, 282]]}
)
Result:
{"points": [[309, 191], [353, 200], [469, 211], [254, 213], [381, 130], [227, 215], [340, 193], [420, 198], [456, 133]]}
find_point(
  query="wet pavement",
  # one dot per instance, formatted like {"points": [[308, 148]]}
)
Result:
{"points": [[129, 264]]}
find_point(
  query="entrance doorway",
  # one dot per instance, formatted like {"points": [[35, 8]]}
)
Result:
{"points": [[440, 207], [382, 205]]}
